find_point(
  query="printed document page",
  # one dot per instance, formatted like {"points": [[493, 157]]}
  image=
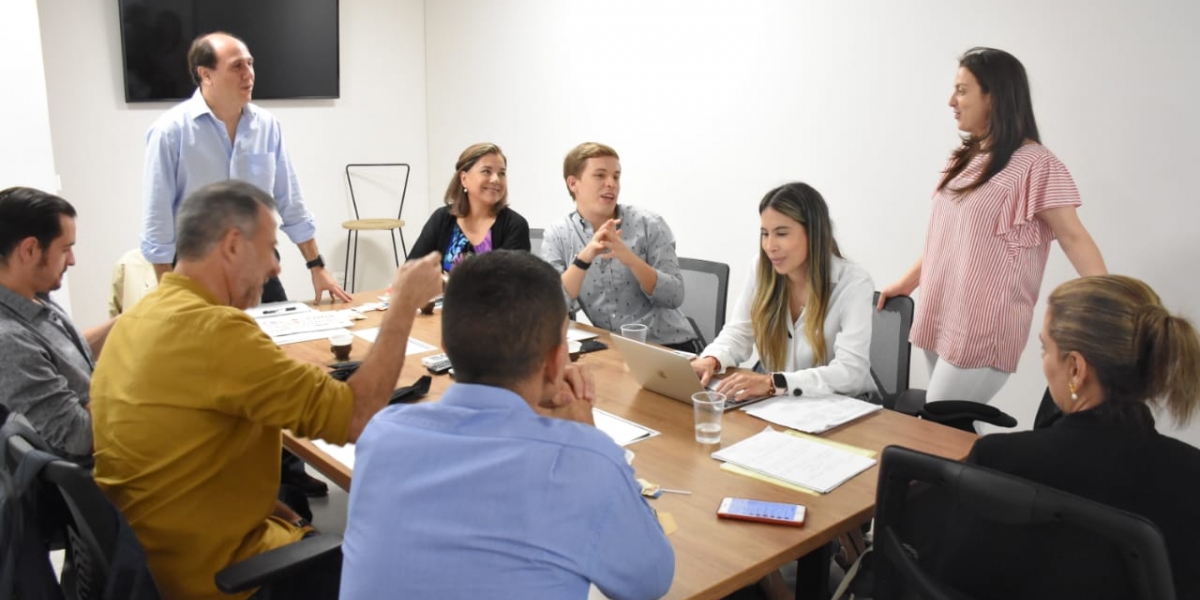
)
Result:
{"points": [[794, 459], [811, 413]]}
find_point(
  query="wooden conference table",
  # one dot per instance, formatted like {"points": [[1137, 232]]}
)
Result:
{"points": [[713, 557]]}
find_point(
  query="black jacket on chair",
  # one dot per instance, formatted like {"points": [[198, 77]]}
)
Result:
{"points": [[1112, 455], [509, 232]]}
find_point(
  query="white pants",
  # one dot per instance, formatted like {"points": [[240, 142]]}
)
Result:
{"points": [[948, 382]]}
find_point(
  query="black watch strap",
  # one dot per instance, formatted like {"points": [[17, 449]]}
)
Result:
{"points": [[579, 263], [316, 262]]}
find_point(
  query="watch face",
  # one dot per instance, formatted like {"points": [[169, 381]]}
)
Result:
{"points": [[780, 380]]}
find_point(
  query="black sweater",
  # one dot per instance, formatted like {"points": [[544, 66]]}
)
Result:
{"points": [[509, 232]]}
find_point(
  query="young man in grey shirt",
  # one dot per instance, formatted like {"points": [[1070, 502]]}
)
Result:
{"points": [[48, 362], [636, 277]]}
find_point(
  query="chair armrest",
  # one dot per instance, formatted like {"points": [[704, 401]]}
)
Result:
{"points": [[909, 401], [957, 412], [271, 565]]}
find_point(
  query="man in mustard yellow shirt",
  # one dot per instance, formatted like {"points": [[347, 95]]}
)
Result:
{"points": [[190, 397]]}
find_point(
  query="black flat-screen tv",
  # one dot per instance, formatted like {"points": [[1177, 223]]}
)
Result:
{"points": [[294, 44]]}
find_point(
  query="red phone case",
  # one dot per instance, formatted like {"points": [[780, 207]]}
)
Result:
{"points": [[741, 517]]}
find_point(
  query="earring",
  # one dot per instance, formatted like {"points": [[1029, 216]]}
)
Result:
{"points": [[464, 190], [1074, 396]]}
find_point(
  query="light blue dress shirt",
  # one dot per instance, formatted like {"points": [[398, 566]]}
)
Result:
{"points": [[477, 496], [188, 148]]}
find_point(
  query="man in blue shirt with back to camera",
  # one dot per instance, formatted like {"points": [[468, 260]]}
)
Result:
{"points": [[216, 135], [504, 488]]}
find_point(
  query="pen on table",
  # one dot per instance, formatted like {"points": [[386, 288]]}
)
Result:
{"points": [[671, 491], [279, 310]]}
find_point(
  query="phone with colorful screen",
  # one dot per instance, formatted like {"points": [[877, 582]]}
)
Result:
{"points": [[762, 511]]}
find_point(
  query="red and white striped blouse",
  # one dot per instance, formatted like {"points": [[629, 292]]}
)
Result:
{"points": [[985, 253]]}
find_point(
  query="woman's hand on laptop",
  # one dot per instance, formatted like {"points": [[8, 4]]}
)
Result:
{"points": [[746, 384], [705, 367]]}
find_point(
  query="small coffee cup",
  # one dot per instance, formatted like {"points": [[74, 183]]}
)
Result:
{"points": [[340, 345]]}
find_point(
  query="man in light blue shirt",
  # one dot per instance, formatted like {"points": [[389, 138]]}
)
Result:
{"points": [[503, 489], [216, 135]]}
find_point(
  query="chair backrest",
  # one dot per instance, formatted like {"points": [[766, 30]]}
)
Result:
{"points": [[1034, 541], [535, 241], [361, 166], [103, 558], [705, 288], [890, 350]]}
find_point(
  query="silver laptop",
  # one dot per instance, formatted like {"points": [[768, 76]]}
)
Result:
{"points": [[667, 372]]}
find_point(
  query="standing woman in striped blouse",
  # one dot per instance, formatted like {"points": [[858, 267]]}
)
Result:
{"points": [[1000, 202]]}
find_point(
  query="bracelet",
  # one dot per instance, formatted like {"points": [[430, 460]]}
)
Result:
{"points": [[316, 262], [579, 263]]}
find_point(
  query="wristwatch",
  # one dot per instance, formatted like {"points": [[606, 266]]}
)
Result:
{"points": [[781, 384], [316, 262], [582, 264]]}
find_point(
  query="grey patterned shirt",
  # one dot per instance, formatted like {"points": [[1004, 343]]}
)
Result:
{"points": [[611, 296], [47, 371]]}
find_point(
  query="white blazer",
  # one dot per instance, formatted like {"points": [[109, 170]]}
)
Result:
{"points": [[847, 336]]}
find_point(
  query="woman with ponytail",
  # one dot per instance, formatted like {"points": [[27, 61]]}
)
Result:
{"points": [[1111, 353], [806, 310]]}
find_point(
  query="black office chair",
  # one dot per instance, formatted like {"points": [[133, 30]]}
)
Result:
{"points": [[705, 289], [891, 356], [536, 237], [891, 353], [946, 530], [100, 545]]}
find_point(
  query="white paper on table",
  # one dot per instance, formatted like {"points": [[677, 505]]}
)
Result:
{"points": [[804, 462], [307, 336], [302, 322], [278, 309], [415, 346], [578, 335], [342, 454], [811, 413], [622, 432]]}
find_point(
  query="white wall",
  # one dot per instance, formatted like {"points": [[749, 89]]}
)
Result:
{"points": [[98, 138], [26, 156], [711, 104]]}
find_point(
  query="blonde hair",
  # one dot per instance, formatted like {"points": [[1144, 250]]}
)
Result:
{"points": [[577, 158], [770, 312], [1139, 351], [456, 195]]}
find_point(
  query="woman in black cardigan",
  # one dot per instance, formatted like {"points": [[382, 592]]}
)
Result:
{"points": [[476, 218], [1109, 350]]}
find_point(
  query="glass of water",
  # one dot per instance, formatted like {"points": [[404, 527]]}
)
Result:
{"points": [[635, 331], [708, 408]]}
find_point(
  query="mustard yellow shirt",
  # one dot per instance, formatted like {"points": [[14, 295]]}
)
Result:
{"points": [[189, 400]]}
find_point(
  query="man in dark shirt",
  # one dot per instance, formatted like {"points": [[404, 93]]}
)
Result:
{"points": [[48, 361]]}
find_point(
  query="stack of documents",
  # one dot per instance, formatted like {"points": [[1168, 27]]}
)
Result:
{"points": [[811, 413], [796, 460]]}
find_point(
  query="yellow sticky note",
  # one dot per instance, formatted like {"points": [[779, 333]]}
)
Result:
{"points": [[839, 445], [732, 468], [667, 521]]}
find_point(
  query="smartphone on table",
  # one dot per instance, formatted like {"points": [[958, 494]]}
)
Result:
{"points": [[762, 511]]}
